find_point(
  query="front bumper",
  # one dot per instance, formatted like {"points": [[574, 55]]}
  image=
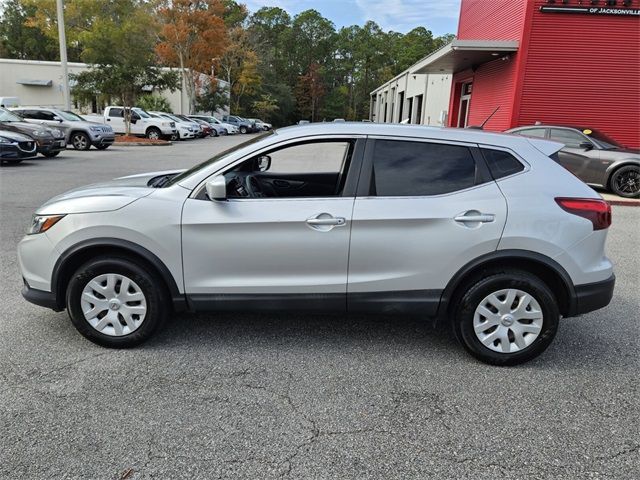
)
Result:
{"points": [[593, 296], [102, 139], [18, 151], [40, 297], [50, 146]]}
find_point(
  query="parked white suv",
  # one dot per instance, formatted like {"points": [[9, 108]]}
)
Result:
{"points": [[482, 230]]}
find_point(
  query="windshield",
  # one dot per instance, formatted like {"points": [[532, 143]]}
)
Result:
{"points": [[7, 116], [600, 138], [70, 116], [171, 117], [141, 112], [217, 158]]}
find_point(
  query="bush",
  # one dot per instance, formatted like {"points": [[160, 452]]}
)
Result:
{"points": [[156, 103]]}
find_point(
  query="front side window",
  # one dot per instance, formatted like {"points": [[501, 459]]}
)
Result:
{"points": [[313, 169], [405, 168], [570, 138], [532, 132]]}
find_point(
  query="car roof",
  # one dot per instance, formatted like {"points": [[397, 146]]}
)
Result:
{"points": [[470, 135]]}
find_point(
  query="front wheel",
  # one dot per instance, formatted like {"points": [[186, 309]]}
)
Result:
{"points": [[625, 182], [115, 302], [103, 146], [154, 134], [243, 130], [80, 141], [51, 154], [506, 318]]}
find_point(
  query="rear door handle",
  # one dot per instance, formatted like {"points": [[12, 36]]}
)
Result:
{"points": [[474, 216]]}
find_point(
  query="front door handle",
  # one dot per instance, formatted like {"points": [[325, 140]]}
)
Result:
{"points": [[326, 221], [473, 216]]}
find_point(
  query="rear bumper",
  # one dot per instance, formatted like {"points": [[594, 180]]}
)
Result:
{"points": [[593, 296]]}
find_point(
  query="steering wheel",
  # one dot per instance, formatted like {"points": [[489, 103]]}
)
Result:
{"points": [[252, 184]]}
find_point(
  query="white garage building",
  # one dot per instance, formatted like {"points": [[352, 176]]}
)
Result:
{"points": [[35, 82], [412, 98]]}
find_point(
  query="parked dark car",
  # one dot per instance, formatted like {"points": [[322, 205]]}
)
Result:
{"points": [[593, 157], [244, 125], [207, 129], [15, 147], [50, 141]]}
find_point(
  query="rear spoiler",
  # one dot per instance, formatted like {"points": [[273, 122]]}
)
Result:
{"points": [[545, 146]]}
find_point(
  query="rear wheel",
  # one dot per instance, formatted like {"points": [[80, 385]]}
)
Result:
{"points": [[80, 141], [154, 134], [625, 181], [506, 318], [115, 302]]}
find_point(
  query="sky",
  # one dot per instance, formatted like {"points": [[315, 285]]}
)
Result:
{"points": [[439, 16]]}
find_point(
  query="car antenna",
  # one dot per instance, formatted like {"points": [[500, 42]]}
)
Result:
{"points": [[481, 127]]}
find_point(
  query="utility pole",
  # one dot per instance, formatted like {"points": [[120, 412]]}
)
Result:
{"points": [[63, 55]]}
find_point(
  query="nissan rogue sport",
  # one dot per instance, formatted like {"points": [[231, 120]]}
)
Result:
{"points": [[479, 230]]}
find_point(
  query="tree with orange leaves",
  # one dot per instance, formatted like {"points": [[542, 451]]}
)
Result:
{"points": [[192, 38]]}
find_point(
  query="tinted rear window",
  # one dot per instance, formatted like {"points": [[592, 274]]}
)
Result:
{"points": [[501, 164], [419, 169]]}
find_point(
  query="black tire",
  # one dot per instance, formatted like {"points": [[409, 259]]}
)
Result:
{"points": [[80, 141], [103, 146], [214, 132], [154, 133], [625, 182], [51, 154], [475, 291], [243, 130], [154, 293]]}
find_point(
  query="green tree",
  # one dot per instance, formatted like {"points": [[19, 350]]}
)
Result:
{"points": [[20, 40], [214, 98], [265, 107], [120, 52]]}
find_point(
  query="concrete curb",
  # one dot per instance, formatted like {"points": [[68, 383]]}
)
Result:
{"points": [[140, 144]]}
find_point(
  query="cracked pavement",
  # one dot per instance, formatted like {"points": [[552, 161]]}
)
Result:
{"points": [[303, 396]]}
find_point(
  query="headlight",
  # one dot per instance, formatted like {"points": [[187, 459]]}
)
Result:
{"points": [[40, 133], [42, 223], [5, 140], [166, 124], [96, 129], [57, 133]]}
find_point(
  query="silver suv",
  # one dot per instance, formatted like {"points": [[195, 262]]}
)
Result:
{"points": [[481, 230], [79, 132]]}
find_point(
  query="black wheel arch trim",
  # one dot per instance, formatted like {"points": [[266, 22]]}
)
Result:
{"points": [[178, 299], [488, 258]]}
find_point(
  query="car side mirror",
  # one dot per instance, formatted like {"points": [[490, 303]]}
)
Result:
{"points": [[217, 188], [586, 146], [263, 163], [57, 119]]}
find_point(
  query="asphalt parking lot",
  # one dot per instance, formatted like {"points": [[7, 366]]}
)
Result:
{"points": [[303, 396]]}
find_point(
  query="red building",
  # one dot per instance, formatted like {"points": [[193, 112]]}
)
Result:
{"points": [[567, 62]]}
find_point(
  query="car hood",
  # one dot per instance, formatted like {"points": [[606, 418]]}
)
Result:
{"points": [[23, 127], [622, 151], [104, 196], [15, 136]]}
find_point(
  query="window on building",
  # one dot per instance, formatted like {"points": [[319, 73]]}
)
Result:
{"points": [[402, 168], [401, 106], [418, 118], [501, 163], [570, 138]]}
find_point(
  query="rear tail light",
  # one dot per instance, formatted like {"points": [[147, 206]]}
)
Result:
{"points": [[597, 211]]}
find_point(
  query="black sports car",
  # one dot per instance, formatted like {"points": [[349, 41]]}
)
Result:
{"points": [[593, 157], [15, 147]]}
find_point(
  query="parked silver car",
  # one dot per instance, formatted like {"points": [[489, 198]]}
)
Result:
{"points": [[478, 229], [593, 157], [79, 132]]}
